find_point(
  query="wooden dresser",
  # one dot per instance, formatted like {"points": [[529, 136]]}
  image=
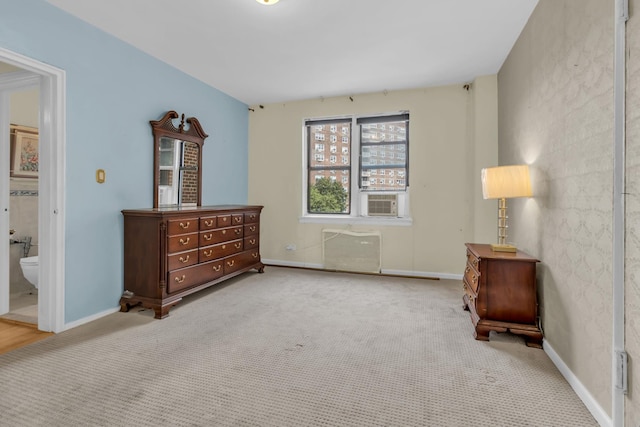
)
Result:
{"points": [[500, 293], [173, 252]]}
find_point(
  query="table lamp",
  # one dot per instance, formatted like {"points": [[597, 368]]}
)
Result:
{"points": [[500, 183]]}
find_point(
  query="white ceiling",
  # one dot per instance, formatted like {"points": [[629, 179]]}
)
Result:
{"points": [[302, 49]]}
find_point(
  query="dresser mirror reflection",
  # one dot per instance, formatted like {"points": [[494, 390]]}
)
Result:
{"points": [[177, 161]]}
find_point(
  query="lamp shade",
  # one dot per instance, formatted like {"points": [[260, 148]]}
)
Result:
{"points": [[506, 182]]}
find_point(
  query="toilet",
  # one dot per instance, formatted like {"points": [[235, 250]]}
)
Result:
{"points": [[29, 267]]}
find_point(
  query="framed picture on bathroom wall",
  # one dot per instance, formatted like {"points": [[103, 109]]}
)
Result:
{"points": [[24, 152]]}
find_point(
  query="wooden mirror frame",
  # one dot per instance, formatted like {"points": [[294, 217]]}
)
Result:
{"points": [[164, 128]]}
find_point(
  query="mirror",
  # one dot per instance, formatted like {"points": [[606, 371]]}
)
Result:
{"points": [[177, 161]]}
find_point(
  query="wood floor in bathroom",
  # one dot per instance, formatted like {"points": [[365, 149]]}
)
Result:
{"points": [[15, 334]]}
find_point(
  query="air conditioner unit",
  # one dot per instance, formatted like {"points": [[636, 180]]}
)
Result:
{"points": [[382, 204]]}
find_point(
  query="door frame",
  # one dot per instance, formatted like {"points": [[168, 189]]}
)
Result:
{"points": [[51, 185]]}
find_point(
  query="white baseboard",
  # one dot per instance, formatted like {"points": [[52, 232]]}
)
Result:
{"points": [[91, 318], [592, 405], [280, 263], [424, 274]]}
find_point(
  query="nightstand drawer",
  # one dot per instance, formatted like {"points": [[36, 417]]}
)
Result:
{"points": [[471, 277], [473, 261]]}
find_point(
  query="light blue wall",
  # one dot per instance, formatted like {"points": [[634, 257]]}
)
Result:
{"points": [[113, 90]]}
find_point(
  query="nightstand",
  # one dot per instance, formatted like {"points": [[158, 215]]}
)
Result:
{"points": [[500, 293]]}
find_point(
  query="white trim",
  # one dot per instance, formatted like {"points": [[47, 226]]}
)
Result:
{"points": [[18, 81], [50, 189], [619, 117], [592, 405], [421, 274], [91, 318], [4, 202], [424, 274], [280, 263]]}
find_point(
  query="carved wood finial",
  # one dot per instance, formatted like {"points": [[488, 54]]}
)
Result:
{"points": [[166, 124]]}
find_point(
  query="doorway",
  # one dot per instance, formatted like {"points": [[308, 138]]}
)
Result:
{"points": [[50, 82]]}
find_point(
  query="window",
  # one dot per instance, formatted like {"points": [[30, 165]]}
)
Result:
{"points": [[331, 193], [387, 147], [380, 150]]}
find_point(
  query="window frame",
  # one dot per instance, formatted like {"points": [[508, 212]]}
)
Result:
{"points": [[357, 197]]}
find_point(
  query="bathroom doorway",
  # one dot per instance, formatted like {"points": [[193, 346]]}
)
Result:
{"points": [[24, 111], [50, 84]]}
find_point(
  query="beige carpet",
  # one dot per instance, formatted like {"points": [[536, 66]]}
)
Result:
{"points": [[290, 348]]}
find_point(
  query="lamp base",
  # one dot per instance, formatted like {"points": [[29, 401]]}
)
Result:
{"points": [[503, 248]]}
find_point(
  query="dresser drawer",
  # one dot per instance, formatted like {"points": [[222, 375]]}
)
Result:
{"points": [[237, 219], [182, 259], [224, 220], [194, 275], [251, 242], [241, 260], [207, 223], [251, 217], [182, 278], [182, 226], [183, 242], [220, 250], [251, 229], [220, 235]]}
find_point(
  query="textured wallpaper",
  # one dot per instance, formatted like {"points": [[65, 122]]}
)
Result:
{"points": [[556, 114], [632, 269]]}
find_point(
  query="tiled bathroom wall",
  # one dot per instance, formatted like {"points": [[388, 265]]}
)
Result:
{"points": [[23, 218]]}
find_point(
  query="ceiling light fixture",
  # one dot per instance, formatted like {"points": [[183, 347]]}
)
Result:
{"points": [[268, 2]]}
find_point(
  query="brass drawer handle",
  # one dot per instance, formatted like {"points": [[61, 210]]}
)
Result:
{"points": [[252, 216], [466, 270], [252, 241], [224, 219], [253, 228], [255, 255], [217, 267], [184, 260], [208, 223], [181, 279], [237, 219], [207, 237], [185, 242], [475, 262], [237, 245], [185, 226], [474, 279], [208, 253], [237, 231], [224, 231], [230, 263], [224, 246]]}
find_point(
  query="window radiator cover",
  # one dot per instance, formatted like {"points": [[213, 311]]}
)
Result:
{"points": [[344, 250]]}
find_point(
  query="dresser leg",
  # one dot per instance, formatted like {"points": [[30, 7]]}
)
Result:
{"points": [[481, 334]]}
